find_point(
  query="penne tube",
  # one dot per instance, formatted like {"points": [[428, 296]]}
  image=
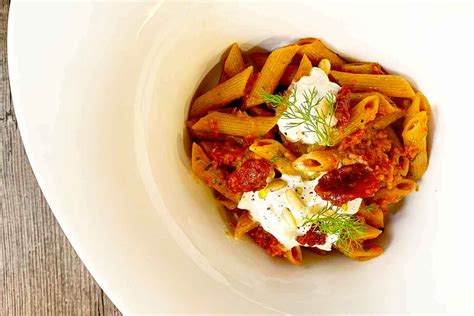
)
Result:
{"points": [[222, 94], [424, 104], [294, 255], [212, 176], [363, 68], [233, 64], [305, 40], [413, 109], [383, 121], [276, 153], [361, 253], [390, 85], [238, 124], [369, 233], [363, 113], [245, 223], [288, 75], [404, 165], [419, 164], [388, 112], [304, 69], [401, 188], [317, 161], [316, 51], [228, 204], [270, 75], [373, 215], [414, 135]]}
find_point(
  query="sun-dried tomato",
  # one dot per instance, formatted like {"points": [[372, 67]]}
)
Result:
{"points": [[250, 176], [344, 184]]}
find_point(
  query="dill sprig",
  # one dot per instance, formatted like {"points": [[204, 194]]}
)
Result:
{"points": [[308, 113], [328, 221]]}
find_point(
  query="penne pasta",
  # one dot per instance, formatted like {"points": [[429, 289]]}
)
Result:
{"points": [[317, 161], [234, 63], [275, 153], [305, 40], [308, 163], [401, 188], [270, 75], [388, 112], [288, 75], [294, 255], [245, 223], [304, 69], [228, 204], [419, 165], [385, 120], [414, 135], [424, 104], [238, 124], [363, 113], [363, 68], [373, 215], [390, 85], [413, 109], [316, 51], [212, 176], [361, 253], [222, 94], [369, 233]]}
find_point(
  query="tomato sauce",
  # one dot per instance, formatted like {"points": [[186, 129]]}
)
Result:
{"points": [[250, 176], [227, 154], [267, 241], [341, 110], [377, 150], [344, 184], [311, 238]]}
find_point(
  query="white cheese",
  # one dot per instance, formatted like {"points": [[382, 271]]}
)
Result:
{"points": [[281, 219], [319, 81]]}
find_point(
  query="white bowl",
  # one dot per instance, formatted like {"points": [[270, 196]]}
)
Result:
{"points": [[101, 92]]}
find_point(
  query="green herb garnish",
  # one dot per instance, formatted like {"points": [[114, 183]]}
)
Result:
{"points": [[307, 114], [345, 226]]}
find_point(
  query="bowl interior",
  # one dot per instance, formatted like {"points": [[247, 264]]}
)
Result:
{"points": [[101, 104], [182, 51]]}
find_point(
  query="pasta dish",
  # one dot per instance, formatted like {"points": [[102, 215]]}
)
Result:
{"points": [[306, 150]]}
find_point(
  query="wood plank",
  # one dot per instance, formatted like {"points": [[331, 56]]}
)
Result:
{"points": [[40, 272]]}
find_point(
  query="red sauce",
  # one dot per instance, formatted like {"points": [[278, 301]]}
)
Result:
{"points": [[249, 139], [343, 100], [250, 176], [311, 238], [344, 184], [267, 241], [227, 154], [378, 150]]}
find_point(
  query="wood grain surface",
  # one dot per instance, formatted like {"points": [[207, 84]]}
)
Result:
{"points": [[40, 272]]}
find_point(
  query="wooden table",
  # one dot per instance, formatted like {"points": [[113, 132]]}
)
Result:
{"points": [[40, 272]]}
